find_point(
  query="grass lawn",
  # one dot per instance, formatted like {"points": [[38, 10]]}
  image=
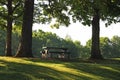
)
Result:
{"points": [[37, 69]]}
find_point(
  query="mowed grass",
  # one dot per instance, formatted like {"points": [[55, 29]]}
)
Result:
{"points": [[37, 69]]}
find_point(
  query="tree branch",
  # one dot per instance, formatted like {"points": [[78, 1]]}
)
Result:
{"points": [[3, 3], [3, 15], [49, 1], [3, 25], [14, 8], [15, 17]]}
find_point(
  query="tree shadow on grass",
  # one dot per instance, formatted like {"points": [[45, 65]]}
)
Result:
{"points": [[30, 71], [20, 71], [105, 71]]}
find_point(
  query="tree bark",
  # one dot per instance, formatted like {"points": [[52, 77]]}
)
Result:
{"points": [[95, 48], [25, 46], [8, 51]]}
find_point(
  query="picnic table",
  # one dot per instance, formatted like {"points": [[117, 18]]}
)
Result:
{"points": [[55, 52]]}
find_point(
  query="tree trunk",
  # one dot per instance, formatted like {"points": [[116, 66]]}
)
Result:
{"points": [[95, 48], [8, 51], [25, 46]]}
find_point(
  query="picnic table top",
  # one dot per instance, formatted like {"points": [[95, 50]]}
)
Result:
{"points": [[55, 48]]}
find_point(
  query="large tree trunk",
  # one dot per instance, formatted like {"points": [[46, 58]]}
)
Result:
{"points": [[25, 46], [8, 51], [95, 48]]}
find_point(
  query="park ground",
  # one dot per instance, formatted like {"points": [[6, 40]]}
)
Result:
{"points": [[38, 69]]}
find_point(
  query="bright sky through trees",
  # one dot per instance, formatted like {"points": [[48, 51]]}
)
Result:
{"points": [[80, 32]]}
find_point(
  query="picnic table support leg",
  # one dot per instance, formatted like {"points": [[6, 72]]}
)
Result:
{"points": [[68, 56], [51, 55]]}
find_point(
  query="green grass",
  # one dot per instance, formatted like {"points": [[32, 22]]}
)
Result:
{"points": [[37, 69]]}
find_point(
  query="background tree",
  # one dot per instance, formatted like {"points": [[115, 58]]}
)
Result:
{"points": [[25, 46], [115, 47], [109, 47], [8, 51], [8, 15], [105, 46], [2, 42], [90, 12], [42, 39]]}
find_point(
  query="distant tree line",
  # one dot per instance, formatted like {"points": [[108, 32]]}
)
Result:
{"points": [[109, 47]]}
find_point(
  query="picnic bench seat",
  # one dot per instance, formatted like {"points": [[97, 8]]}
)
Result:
{"points": [[55, 52]]}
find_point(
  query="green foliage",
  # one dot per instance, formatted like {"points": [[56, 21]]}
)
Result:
{"points": [[37, 69], [17, 11], [15, 40], [46, 10], [2, 15], [115, 46], [105, 46], [109, 47], [41, 39], [84, 10], [2, 42]]}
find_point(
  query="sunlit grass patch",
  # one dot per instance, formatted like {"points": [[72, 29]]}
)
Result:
{"points": [[109, 68], [2, 64], [116, 59], [38, 69]]}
